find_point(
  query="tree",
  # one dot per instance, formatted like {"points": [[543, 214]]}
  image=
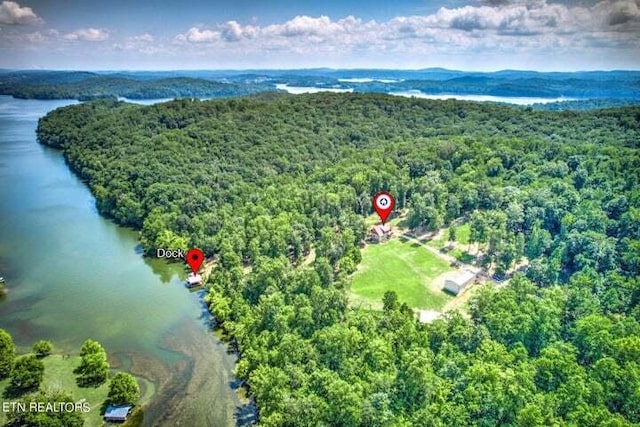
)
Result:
{"points": [[376, 411], [515, 217], [424, 213], [94, 368], [452, 233], [91, 347], [42, 348], [7, 353], [593, 337], [506, 257], [219, 305], [27, 373], [259, 182], [123, 389], [478, 228], [538, 241], [390, 301]]}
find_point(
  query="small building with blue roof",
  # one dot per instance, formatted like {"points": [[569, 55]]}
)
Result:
{"points": [[118, 413]]}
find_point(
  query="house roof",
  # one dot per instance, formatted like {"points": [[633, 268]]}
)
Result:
{"points": [[381, 230], [462, 276], [194, 278], [117, 411]]}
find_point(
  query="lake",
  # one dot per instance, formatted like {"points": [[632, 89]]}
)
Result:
{"points": [[517, 100], [297, 90], [74, 275]]}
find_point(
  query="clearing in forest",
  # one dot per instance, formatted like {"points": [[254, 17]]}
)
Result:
{"points": [[401, 266]]}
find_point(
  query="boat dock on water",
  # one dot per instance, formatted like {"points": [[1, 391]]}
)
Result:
{"points": [[194, 280]]}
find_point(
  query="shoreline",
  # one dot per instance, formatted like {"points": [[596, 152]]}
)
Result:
{"points": [[144, 339]]}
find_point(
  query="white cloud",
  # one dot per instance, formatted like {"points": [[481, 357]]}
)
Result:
{"points": [[196, 35], [87, 34], [12, 13], [304, 26], [143, 38], [462, 27], [230, 31], [36, 37], [501, 29], [483, 34], [142, 43], [321, 28]]}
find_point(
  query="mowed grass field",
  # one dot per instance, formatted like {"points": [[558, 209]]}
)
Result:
{"points": [[462, 241], [403, 267], [58, 375], [462, 237]]}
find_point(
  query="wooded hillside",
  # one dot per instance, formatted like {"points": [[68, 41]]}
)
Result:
{"points": [[260, 182]]}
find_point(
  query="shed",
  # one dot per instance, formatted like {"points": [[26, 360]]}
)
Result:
{"points": [[457, 284], [380, 232], [117, 413]]}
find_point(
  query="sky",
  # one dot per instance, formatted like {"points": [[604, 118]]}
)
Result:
{"points": [[479, 35]]}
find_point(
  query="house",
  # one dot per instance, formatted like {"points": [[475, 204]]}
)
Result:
{"points": [[380, 233], [457, 283], [117, 413], [193, 280]]}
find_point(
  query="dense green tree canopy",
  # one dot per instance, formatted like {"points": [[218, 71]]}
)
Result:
{"points": [[123, 389], [275, 189], [94, 367], [27, 373], [7, 353], [42, 348]]}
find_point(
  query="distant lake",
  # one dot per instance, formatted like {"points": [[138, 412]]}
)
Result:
{"points": [[296, 90], [145, 101], [517, 100], [482, 98], [369, 80]]}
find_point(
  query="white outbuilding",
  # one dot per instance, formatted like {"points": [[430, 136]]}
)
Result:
{"points": [[193, 280], [458, 283]]}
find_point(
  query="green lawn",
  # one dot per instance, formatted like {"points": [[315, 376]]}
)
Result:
{"points": [[58, 375], [462, 237], [403, 267], [462, 255], [462, 234]]}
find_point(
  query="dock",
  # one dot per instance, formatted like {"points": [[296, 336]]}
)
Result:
{"points": [[194, 280]]}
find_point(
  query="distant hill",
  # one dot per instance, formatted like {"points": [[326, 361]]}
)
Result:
{"points": [[87, 86], [618, 87]]}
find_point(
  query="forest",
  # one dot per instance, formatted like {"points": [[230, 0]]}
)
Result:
{"points": [[86, 86], [275, 188]]}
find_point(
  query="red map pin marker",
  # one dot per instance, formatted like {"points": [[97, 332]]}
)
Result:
{"points": [[194, 258], [383, 203]]}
